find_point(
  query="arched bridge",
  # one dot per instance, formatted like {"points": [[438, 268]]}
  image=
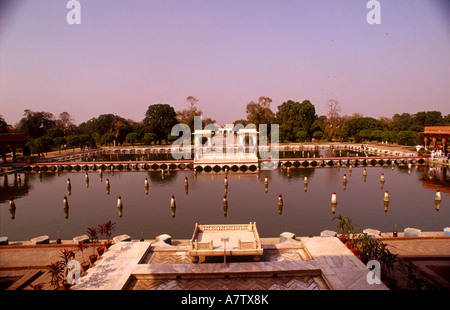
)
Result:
{"points": [[233, 166]]}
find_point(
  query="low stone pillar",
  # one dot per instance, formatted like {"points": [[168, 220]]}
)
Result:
{"points": [[3, 240], [412, 232], [121, 238], [328, 233], [286, 236], [41, 240], [447, 231], [82, 238], [372, 232], [164, 238]]}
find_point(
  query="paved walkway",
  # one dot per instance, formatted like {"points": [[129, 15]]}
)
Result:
{"points": [[306, 263]]}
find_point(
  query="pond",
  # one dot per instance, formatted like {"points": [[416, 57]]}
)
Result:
{"points": [[147, 213], [162, 154]]}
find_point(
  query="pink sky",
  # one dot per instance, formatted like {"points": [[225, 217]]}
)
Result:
{"points": [[127, 55]]}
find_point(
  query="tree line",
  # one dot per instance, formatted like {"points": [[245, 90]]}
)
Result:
{"points": [[297, 122]]}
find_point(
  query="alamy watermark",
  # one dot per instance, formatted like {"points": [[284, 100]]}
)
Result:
{"points": [[374, 275], [73, 17], [374, 15], [74, 272], [227, 142]]}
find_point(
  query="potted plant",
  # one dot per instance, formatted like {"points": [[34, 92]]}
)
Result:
{"points": [[100, 251], [345, 229], [66, 256], [81, 248], [93, 237], [106, 230], [389, 264], [356, 240], [342, 228], [367, 247], [355, 247], [56, 271]]}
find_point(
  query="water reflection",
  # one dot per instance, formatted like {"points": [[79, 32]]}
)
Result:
{"points": [[10, 186], [165, 154], [280, 204], [119, 206], [216, 198], [12, 208], [173, 205], [66, 207]]}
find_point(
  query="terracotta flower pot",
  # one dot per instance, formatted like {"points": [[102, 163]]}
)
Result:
{"points": [[93, 259], [108, 244], [66, 285], [100, 251], [84, 267]]}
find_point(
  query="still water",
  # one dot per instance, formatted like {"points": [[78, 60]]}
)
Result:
{"points": [[147, 213], [111, 155]]}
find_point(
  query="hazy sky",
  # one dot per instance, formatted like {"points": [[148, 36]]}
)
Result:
{"points": [[128, 54]]}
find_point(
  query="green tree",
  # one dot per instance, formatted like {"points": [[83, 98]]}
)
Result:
{"points": [[318, 135], [139, 129], [307, 116], [389, 136], [366, 134], [97, 138], [287, 117], [259, 112], [131, 137], [84, 140], [377, 135], [73, 141], [402, 121], [107, 123], [416, 128], [108, 138], [149, 137], [65, 123], [58, 141], [428, 118], [294, 116], [159, 119], [301, 135], [187, 116], [42, 144], [355, 125], [446, 120], [387, 123], [3, 125], [121, 129], [36, 124], [55, 132], [341, 134], [407, 137], [320, 124]]}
